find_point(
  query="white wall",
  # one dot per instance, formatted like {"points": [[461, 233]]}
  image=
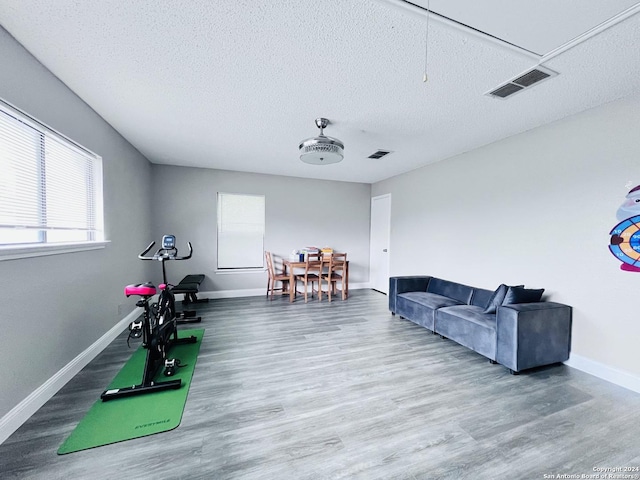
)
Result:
{"points": [[54, 307], [299, 213], [536, 209]]}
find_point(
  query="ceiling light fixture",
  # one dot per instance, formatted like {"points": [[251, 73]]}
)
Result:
{"points": [[321, 150]]}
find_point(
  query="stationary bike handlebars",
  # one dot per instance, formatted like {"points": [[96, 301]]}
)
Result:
{"points": [[167, 252]]}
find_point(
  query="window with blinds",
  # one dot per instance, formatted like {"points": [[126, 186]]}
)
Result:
{"points": [[241, 220], [50, 187]]}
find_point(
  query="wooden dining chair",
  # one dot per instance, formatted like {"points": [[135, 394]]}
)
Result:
{"points": [[275, 276], [332, 271], [311, 275]]}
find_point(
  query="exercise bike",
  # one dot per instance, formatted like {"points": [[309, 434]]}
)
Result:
{"points": [[170, 252], [158, 327]]}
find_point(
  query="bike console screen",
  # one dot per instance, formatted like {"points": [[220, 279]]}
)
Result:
{"points": [[168, 242]]}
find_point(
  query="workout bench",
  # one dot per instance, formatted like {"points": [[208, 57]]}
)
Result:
{"points": [[189, 287]]}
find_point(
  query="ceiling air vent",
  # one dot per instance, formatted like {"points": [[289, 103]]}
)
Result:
{"points": [[522, 82], [379, 154], [506, 90], [531, 77]]}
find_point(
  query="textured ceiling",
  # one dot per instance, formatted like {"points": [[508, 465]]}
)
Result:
{"points": [[539, 26], [237, 85]]}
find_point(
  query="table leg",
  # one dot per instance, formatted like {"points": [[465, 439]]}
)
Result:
{"points": [[292, 285], [346, 278]]}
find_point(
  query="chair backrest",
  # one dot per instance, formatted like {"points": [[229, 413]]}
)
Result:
{"points": [[270, 269], [338, 261], [339, 257], [332, 263], [313, 264]]}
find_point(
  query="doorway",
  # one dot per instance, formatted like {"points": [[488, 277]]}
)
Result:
{"points": [[379, 243]]}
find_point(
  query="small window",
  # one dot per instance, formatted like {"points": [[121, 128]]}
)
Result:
{"points": [[240, 231], [50, 187]]}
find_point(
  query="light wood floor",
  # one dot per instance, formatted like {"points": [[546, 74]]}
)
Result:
{"points": [[342, 390]]}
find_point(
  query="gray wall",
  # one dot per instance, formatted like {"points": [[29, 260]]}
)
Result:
{"points": [[54, 307], [299, 212], [536, 209]]}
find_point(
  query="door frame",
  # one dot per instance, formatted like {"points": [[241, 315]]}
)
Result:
{"points": [[388, 240]]}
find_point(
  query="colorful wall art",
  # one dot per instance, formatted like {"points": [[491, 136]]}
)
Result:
{"points": [[625, 236]]}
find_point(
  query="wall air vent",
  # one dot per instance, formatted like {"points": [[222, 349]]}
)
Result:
{"points": [[522, 82], [379, 154]]}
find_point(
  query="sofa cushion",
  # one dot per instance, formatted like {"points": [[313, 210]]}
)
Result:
{"points": [[431, 300], [457, 291], [480, 297], [419, 307], [522, 295], [468, 325]]}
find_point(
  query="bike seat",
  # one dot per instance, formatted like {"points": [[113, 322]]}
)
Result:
{"points": [[142, 289]]}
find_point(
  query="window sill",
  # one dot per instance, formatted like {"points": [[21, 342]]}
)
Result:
{"points": [[15, 252]]}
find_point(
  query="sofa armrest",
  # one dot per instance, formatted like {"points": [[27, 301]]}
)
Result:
{"points": [[414, 283], [533, 334]]}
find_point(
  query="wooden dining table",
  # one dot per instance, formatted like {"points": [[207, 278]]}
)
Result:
{"points": [[291, 265]]}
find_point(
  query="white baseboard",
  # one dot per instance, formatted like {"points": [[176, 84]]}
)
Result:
{"points": [[251, 292], [30, 405], [360, 286], [256, 292], [619, 377]]}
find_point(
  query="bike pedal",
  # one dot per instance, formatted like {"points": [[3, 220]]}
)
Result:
{"points": [[136, 329], [172, 362]]}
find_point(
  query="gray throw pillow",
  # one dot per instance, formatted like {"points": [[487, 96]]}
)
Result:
{"points": [[496, 299], [522, 295]]}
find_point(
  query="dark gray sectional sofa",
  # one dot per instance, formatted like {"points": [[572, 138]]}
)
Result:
{"points": [[510, 326]]}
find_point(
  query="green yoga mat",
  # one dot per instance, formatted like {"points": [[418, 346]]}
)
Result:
{"points": [[132, 417]]}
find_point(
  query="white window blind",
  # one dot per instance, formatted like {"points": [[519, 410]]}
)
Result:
{"points": [[50, 188], [241, 220]]}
